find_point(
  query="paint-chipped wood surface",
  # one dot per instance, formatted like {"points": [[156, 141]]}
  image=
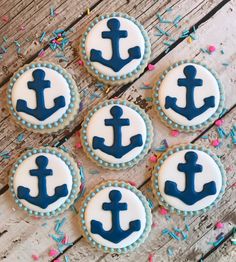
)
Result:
{"points": [[214, 21]]}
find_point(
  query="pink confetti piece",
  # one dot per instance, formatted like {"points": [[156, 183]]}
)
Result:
{"points": [[219, 122], [151, 67], [163, 211], [53, 252], [174, 133], [80, 62], [215, 142], [132, 183], [211, 48], [78, 145], [57, 260], [22, 27], [219, 225], [79, 163], [153, 159], [5, 19], [154, 225], [35, 257], [65, 240], [150, 258]]}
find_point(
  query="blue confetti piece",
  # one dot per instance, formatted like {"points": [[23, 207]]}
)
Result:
{"points": [[20, 137]]}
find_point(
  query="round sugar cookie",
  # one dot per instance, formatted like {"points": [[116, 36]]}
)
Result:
{"points": [[115, 217], [45, 181], [43, 97], [188, 96], [115, 48], [116, 134], [188, 179]]}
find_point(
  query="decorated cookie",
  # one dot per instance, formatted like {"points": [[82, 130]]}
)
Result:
{"points": [[188, 179], [45, 181], [188, 96], [115, 217], [43, 97], [116, 134], [115, 48]]}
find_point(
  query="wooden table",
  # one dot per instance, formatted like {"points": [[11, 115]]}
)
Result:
{"points": [[211, 23]]}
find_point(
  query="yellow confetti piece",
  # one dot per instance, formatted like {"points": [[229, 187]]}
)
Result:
{"points": [[88, 11], [189, 40]]}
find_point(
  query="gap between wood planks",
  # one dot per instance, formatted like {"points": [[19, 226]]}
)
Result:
{"points": [[123, 89]]}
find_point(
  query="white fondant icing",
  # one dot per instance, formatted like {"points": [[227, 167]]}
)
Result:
{"points": [[94, 40], [169, 87], [210, 172], [59, 87], [96, 127], [135, 211], [61, 175]]}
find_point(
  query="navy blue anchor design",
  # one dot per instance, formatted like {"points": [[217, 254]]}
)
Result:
{"points": [[38, 85], [190, 111], [42, 199], [117, 150], [189, 196], [116, 62], [115, 234]]}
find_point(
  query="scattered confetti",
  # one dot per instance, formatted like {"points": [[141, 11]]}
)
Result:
{"points": [[52, 13], [35, 257], [219, 225], [153, 159], [151, 205], [132, 183], [20, 137], [163, 211], [78, 145], [41, 53], [53, 252], [151, 67], [154, 225], [174, 133], [93, 172], [215, 142], [5, 18], [67, 259], [170, 251], [211, 48], [150, 258], [59, 40], [80, 62], [42, 37], [219, 122]]}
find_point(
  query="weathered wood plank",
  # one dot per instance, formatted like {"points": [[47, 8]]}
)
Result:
{"points": [[20, 15], [9, 131], [29, 234]]}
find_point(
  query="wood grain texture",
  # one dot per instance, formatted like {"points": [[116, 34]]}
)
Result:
{"points": [[22, 235]]}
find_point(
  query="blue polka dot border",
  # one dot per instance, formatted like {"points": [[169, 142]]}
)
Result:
{"points": [[65, 119], [113, 80], [170, 122], [142, 198], [75, 173], [92, 154], [155, 175]]}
